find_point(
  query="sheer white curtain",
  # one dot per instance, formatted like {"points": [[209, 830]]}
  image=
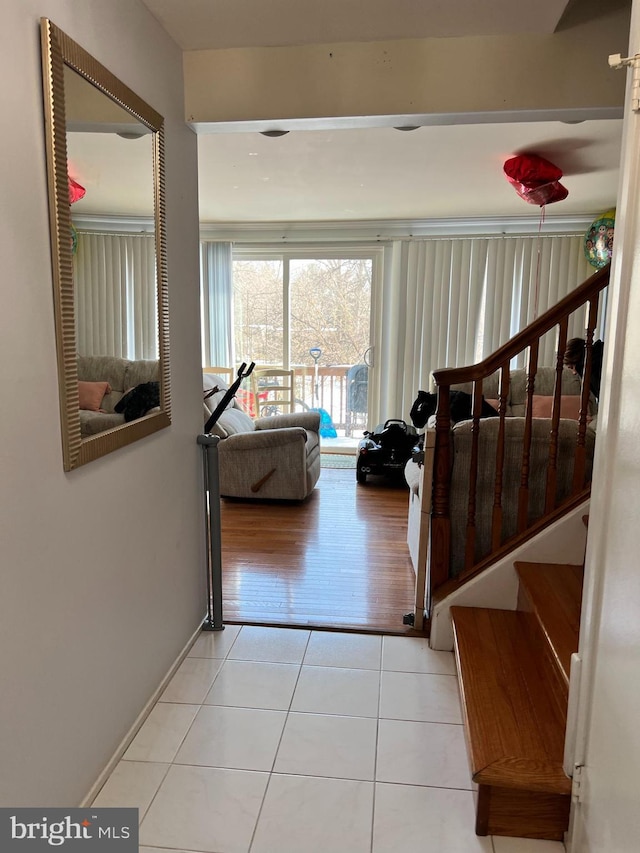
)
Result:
{"points": [[216, 295], [452, 302], [116, 295]]}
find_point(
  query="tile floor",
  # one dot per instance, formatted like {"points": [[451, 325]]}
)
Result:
{"points": [[274, 740]]}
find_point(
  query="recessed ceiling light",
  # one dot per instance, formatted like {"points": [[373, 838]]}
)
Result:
{"points": [[274, 133], [408, 127]]}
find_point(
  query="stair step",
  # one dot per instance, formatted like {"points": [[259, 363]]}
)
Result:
{"points": [[552, 592], [514, 726]]}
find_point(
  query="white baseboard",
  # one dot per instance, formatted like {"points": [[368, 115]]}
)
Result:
{"points": [[142, 716]]}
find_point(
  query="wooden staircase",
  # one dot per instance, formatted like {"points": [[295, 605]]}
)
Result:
{"points": [[513, 668]]}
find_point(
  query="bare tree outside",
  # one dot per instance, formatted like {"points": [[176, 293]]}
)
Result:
{"points": [[329, 308], [258, 311], [330, 305]]}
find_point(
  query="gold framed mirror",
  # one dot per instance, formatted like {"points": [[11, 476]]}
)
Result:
{"points": [[109, 275]]}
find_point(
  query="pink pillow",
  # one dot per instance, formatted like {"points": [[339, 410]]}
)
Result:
{"points": [[569, 406], [90, 394], [495, 404]]}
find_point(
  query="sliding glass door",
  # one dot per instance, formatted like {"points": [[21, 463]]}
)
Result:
{"points": [[310, 311], [258, 311]]}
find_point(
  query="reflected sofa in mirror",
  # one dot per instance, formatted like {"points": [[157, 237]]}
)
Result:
{"points": [[105, 158]]}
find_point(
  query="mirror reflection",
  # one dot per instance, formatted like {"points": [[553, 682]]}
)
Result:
{"points": [[110, 163], [107, 227]]}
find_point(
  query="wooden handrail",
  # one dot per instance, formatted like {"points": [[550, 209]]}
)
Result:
{"points": [[528, 514], [454, 584], [534, 331]]}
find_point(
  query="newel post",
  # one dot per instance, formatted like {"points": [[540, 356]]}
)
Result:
{"points": [[440, 515]]}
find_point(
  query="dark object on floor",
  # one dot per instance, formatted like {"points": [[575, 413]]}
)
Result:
{"points": [[460, 408], [386, 450], [138, 401]]}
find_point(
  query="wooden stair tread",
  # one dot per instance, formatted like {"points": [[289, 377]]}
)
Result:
{"points": [[554, 591], [515, 732]]}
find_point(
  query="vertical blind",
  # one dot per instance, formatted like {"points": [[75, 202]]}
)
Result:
{"points": [[438, 303], [116, 295], [450, 303], [216, 298]]}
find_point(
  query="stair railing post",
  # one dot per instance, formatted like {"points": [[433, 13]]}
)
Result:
{"points": [[440, 513], [209, 444]]}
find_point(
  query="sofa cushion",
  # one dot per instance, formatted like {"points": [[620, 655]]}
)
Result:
{"points": [[93, 423], [91, 394], [140, 371], [544, 386], [306, 420], [120, 373], [234, 421], [542, 406], [102, 368], [212, 402], [212, 380]]}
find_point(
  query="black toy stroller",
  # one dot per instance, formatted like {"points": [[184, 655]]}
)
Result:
{"points": [[386, 450]]}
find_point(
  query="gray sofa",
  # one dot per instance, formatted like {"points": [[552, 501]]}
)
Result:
{"points": [[276, 457], [461, 444], [122, 375]]}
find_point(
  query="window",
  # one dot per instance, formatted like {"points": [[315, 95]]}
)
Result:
{"points": [[288, 304]]}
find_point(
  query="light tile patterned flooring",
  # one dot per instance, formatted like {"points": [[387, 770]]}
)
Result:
{"points": [[275, 740]]}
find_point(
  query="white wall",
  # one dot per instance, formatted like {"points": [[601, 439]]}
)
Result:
{"points": [[414, 76], [608, 818], [102, 569]]}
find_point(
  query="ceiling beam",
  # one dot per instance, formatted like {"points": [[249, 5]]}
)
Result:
{"points": [[565, 74]]}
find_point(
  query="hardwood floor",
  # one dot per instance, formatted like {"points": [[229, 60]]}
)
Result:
{"points": [[339, 560]]}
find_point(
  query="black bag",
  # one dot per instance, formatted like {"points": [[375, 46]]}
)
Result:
{"points": [[138, 401], [425, 405]]}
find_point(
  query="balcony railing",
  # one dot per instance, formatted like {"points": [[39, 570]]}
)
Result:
{"points": [[337, 391]]}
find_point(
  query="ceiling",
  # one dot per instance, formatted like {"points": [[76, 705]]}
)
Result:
{"points": [[211, 24], [378, 173], [382, 173]]}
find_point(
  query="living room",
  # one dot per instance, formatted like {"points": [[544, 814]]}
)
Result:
{"points": [[75, 511], [444, 211]]}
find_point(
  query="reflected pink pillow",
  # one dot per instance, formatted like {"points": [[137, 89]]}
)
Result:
{"points": [[90, 395], [541, 407]]}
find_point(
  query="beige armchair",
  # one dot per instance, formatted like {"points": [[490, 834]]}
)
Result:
{"points": [[274, 458]]}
